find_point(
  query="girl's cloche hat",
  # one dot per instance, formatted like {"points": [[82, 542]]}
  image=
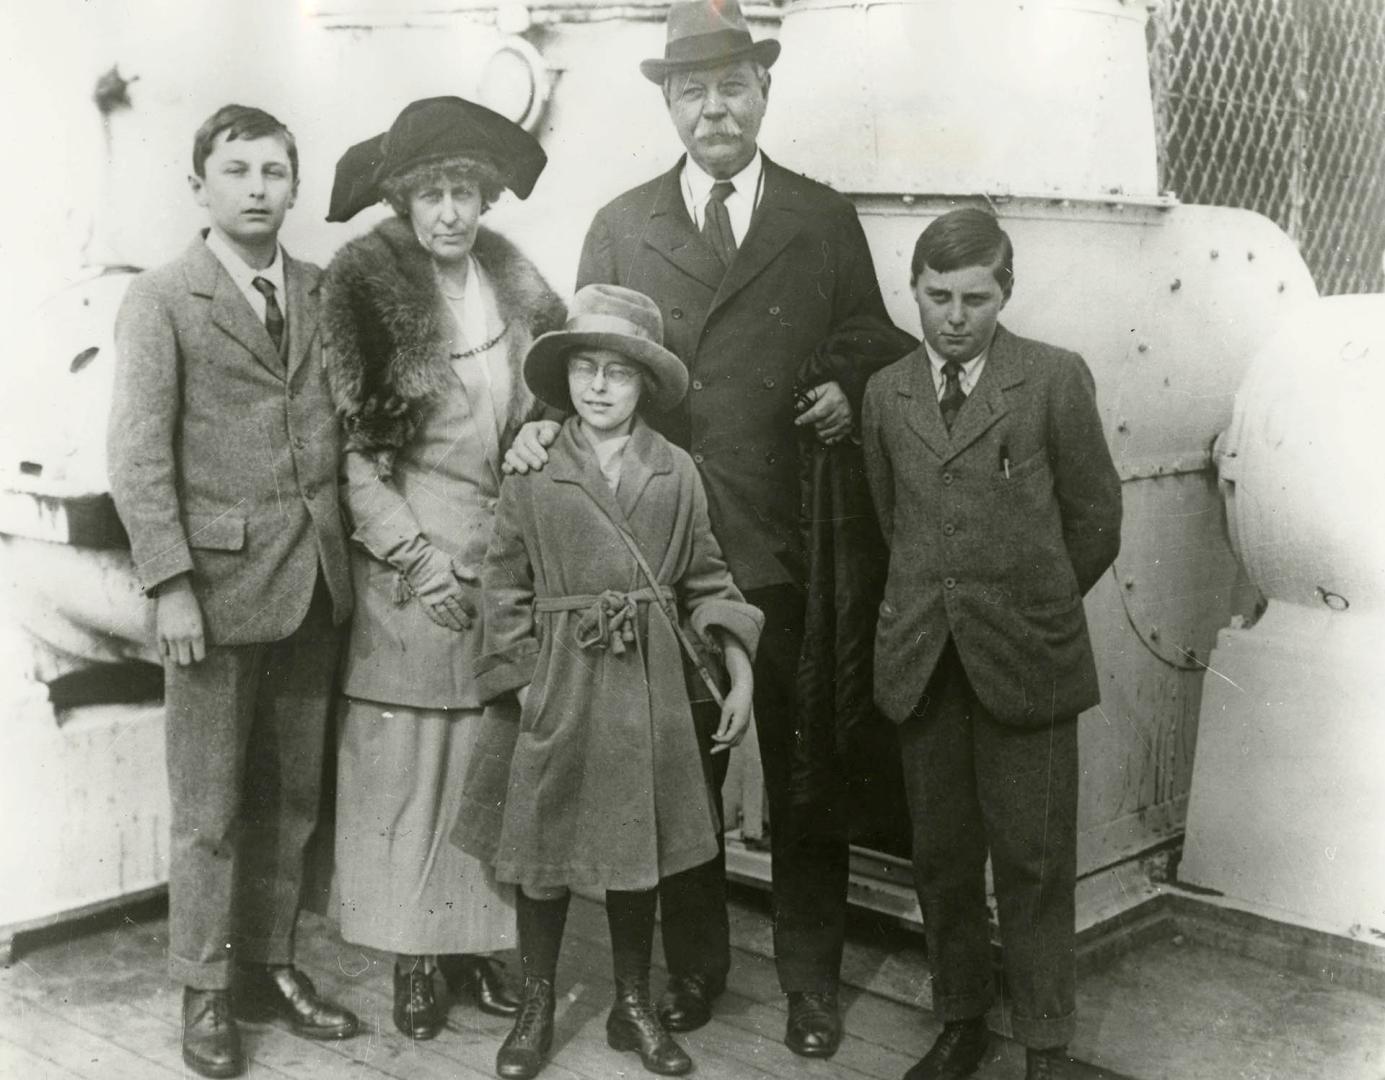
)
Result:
{"points": [[608, 317]]}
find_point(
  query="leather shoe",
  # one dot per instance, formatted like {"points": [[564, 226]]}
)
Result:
{"points": [[633, 1024], [281, 992], [687, 1001], [955, 1053], [211, 1043], [480, 978], [526, 1047], [815, 1026], [1045, 1064], [416, 1011]]}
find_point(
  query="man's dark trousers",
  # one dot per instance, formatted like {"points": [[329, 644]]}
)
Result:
{"points": [[692, 904], [808, 845], [974, 783], [245, 733]]}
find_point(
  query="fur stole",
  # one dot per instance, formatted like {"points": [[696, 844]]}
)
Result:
{"points": [[386, 336]]}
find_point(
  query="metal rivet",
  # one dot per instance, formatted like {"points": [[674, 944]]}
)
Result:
{"points": [[1153, 633], [1281, 286], [1142, 348], [1216, 254], [1123, 426], [1175, 285], [1129, 583], [1250, 256]]}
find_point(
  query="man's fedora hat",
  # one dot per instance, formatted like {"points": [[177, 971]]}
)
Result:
{"points": [[434, 128], [608, 317], [707, 33]]}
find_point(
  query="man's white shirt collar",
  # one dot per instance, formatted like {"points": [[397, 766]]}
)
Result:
{"points": [[740, 205], [971, 370], [243, 274]]}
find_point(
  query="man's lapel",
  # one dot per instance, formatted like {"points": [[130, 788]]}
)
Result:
{"points": [[302, 285], [229, 309], [776, 221], [670, 232]]}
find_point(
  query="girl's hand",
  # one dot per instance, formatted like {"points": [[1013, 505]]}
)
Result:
{"points": [[735, 718]]}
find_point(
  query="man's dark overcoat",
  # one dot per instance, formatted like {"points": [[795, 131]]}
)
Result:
{"points": [[802, 270]]}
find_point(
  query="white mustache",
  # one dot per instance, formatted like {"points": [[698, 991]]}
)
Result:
{"points": [[730, 129]]}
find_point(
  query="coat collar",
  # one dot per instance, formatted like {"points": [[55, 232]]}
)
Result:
{"points": [[207, 278], [775, 222], [987, 403], [574, 462]]}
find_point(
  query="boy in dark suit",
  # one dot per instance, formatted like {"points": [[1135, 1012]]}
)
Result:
{"points": [[223, 462], [997, 495]]}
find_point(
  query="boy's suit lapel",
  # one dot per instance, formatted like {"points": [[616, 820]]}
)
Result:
{"points": [[230, 311]]}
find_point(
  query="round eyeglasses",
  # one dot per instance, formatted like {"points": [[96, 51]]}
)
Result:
{"points": [[584, 371]]}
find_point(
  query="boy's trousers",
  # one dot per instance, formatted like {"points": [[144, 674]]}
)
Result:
{"points": [[976, 785], [245, 734]]}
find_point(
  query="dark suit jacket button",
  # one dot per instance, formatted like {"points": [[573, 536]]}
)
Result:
{"points": [[947, 478], [770, 459], [677, 312], [769, 384], [774, 310], [698, 458], [949, 583], [697, 384], [949, 529]]}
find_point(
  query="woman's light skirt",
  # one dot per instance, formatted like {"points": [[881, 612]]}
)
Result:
{"points": [[404, 887]]}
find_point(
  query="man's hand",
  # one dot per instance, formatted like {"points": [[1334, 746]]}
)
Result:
{"points": [[178, 621], [830, 413], [530, 448]]}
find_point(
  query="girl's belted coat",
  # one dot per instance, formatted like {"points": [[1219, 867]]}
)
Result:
{"points": [[606, 785], [417, 462]]}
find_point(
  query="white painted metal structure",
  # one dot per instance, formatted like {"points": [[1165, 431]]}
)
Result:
{"points": [[1288, 808]]}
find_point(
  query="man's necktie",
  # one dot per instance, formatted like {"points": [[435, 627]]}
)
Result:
{"points": [[950, 404], [716, 222], [273, 314]]}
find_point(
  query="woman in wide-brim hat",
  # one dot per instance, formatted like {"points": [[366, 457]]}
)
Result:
{"points": [[426, 322], [605, 786]]}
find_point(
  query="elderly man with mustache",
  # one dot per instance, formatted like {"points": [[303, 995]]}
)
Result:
{"points": [[753, 267]]}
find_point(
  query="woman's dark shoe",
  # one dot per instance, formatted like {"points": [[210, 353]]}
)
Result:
{"points": [[634, 1025], [416, 1011], [211, 1043], [526, 1047], [481, 979]]}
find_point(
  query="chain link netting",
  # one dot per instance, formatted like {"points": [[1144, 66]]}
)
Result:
{"points": [[1279, 106]]}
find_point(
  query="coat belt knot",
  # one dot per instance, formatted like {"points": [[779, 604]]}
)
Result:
{"points": [[607, 620]]}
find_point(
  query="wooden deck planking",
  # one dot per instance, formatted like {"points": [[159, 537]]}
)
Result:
{"points": [[16, 1062]]}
